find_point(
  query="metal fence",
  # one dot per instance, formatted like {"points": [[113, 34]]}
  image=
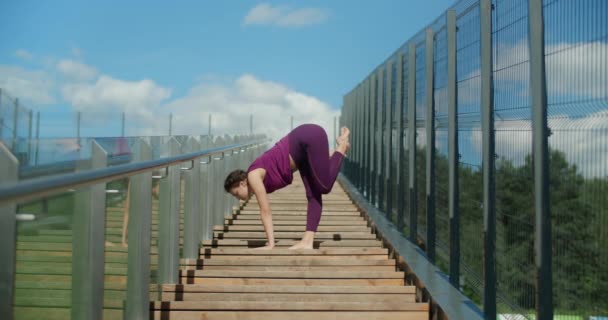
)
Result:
{"points": [[494, 120], [62, 256]]}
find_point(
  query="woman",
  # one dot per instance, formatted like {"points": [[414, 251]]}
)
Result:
{"points": [[304, 149]]}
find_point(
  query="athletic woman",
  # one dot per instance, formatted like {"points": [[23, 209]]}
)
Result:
{"points": [[304, 149]]}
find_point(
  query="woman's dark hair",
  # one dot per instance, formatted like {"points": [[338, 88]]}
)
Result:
{"points": [[234, 178]]}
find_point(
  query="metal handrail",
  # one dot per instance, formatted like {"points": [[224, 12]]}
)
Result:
{"points": [[37, 188]]}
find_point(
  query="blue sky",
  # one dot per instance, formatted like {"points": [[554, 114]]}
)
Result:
{"points": [[320, 49]]}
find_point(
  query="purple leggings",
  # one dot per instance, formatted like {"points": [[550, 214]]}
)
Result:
{"points": [[309, 149]]}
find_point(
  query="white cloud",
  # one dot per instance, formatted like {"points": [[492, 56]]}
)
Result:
{"points": [[31, 87], [75, 70], [582, 140], [284, 16], [24, 54], [574, 70], [108, 94], [272, 104]]}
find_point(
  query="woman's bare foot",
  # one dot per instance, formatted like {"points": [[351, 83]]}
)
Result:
{"points": [[306, 242], [342, 140], [301, 245]]}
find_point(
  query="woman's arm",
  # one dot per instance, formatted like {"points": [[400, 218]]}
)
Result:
{"points": [[256, 183]]}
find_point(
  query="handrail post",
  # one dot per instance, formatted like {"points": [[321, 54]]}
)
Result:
{"points": [[453, 197], [88, 239], [168, 219], [15, 123], [400, 152], [381, 127], [192, 205], [389, 180], [8, 235], [538, 91], [372, 136], [430, 146], [228, 166], [411, 108], [204, 225], [488, 151], [137, 304]]}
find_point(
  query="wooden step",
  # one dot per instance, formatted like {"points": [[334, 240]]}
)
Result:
{"points": [[298, 252], [194, 288], [301, 217], [299, 222], [366, 260], [290, 315], [302, 212], [293, 274], [295, 235], [288, 243], [238, 228], [392, 305], [292, 282], [303, 297]]}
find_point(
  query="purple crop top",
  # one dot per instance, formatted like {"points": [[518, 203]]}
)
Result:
{"points": [[276, 163]]}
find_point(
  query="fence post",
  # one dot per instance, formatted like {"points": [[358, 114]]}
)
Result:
{"points": [[381, 136], [369, 138], [192, 204], [170, 124], [430, 146], [389, 181], [487, 124], [15, 123], [538, 90], [204, 192], [78, 118], [168, 218], [140, 233], [355, 136], [123, 122], [8, 235], [372, 139], [453, 196], [1, 117], [411, 108], [400, 152], [37, 136], [88, 243]]}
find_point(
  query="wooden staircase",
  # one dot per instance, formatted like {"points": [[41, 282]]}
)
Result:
{"points": [[347, 276]]}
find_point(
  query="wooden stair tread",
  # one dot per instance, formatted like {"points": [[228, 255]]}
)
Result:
{"points": [[292, 305], [286, 289], [294, 274], [289, 315], [293, 261], [297, 252]]}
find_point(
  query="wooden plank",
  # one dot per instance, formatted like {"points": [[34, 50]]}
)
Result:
{"points": [[300, 222], [294, 235], [293, 274], [293, 282], [276, 217], [284, 243], [187, 288], [263, 297], [299, 252], [289, 315], [283, 228], [276, 211], [293, 305], [291, 268], [294, 261]]}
